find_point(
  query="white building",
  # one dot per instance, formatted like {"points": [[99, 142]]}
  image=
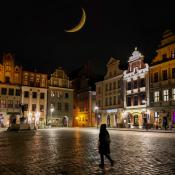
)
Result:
{"points": [[136, 91]]}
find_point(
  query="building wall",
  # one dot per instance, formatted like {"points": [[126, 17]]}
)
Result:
{"points": [[10, 90], [60, 99], [34, 97], [162, 83], [109, 95], [35, 104], [136, 92]]}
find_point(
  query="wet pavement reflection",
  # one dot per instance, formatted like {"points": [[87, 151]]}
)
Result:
{"points": [[74, 151]]}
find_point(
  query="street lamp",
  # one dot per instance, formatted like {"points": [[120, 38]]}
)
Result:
{"points": [[96, 113], [51, 111], [37, 116]]}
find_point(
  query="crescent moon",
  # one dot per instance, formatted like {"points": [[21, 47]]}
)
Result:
{"points": [[80, 24]]}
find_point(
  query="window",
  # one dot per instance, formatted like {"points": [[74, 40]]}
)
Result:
{"points": [[52, 94], [165, 95], [156, 96], [26, 94], [142, 98], [114, 100], [110, 101], [129, 85], [17, 104], [164, 56], [106, 87], [135, 84], [11, 91], [33, 107], [114, 85], [59, 106], [2, 104], [42, 95], [66, 95], [99, 103], [173, 93], [4, 91], [7, 79], [66, 106], [99, 90], [164, 75], [34, 94], [142, 82], [135, 100], [25, 107], [156, 77], [128, 101], [18, 92], [10, 104], [41, 108], [119, 99], [118, 83], [173, 72], [106, 102], [110, 86]]}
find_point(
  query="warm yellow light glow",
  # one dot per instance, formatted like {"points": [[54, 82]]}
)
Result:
{"points": [[80, 25]]}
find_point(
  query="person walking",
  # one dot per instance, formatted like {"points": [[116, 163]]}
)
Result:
{"points": [[104, 145]]}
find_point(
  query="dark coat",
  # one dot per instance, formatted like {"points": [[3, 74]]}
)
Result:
{"points": [[104, 142]]}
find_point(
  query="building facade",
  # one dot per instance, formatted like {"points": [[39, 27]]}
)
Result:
{"points": [[109, 96], [83, 83], [162, 83], [136, 92], [10, 90], [60, 100], [34, 97]]}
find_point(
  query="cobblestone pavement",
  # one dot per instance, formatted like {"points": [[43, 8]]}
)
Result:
{"points": [[73, 151]]}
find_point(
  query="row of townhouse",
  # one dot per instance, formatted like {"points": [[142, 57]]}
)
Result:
{"points": [[37, 97], [142, 95]]}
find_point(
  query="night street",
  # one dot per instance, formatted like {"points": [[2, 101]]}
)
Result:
{"points": [[74, 151]]}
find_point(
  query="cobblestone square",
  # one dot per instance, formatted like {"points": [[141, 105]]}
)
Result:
{"points": [[73, 151]]}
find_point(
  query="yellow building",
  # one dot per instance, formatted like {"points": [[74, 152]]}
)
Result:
{"points": [[83, 83], [10, 90], [162, 83]]}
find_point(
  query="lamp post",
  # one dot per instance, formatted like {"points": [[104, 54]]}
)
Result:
{"points": [[96, 113], [145, 102], [37, 116], [51, 111]]}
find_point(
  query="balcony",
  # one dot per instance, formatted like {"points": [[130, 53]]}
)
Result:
{"points": [[128, 92], [135, 90], [142, 89]]}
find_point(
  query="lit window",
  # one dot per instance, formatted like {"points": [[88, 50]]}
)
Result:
{"points": [[156, 96], [165, 95], [173, 93]]}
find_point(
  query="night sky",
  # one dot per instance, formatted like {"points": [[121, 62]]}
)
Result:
{"points": [[34, 32]]}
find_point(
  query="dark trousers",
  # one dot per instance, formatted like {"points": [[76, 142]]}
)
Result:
{"points": [[107, 156]]}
